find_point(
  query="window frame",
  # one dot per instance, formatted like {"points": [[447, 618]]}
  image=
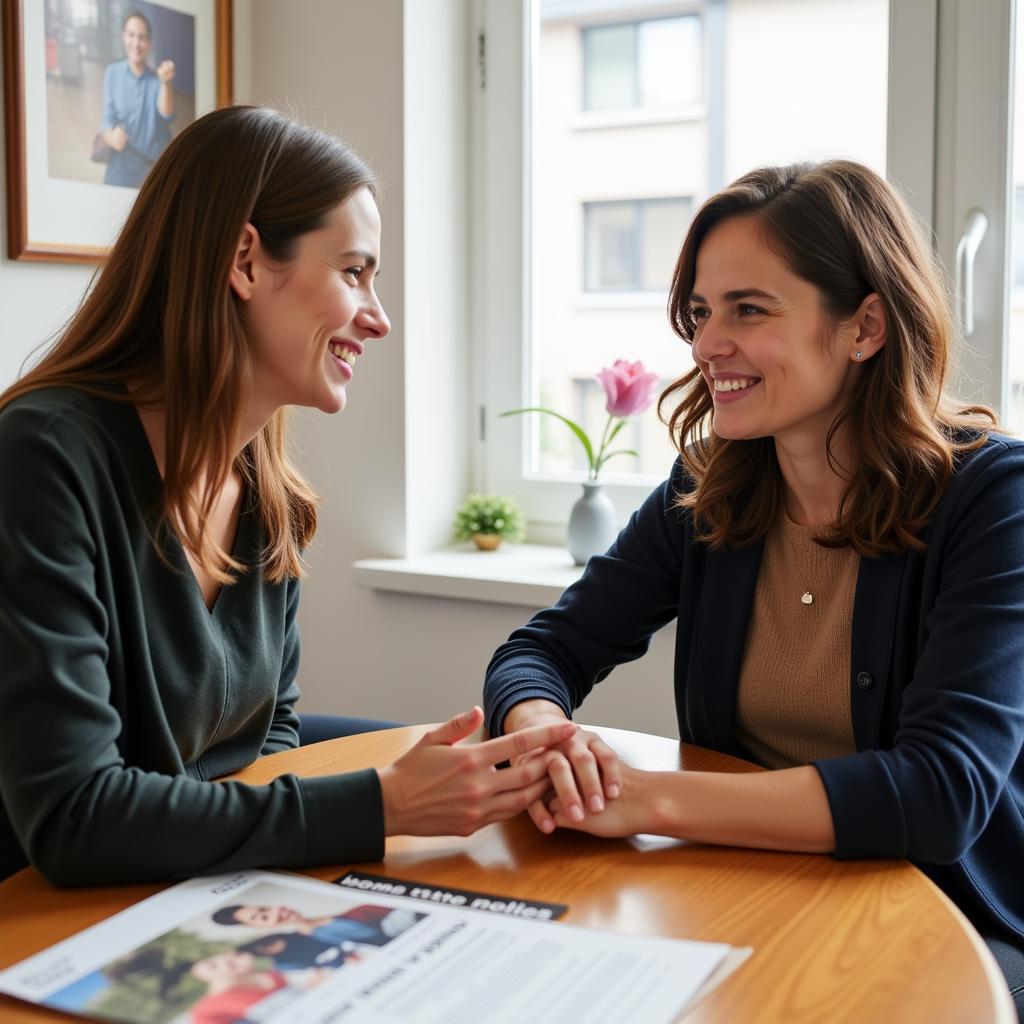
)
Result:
{"points": [[973, 157]]}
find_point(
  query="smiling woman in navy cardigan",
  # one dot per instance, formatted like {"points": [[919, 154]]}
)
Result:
{"points": [[842, 546]]}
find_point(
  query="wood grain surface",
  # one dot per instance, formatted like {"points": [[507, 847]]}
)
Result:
{"points": [[833, 941]]}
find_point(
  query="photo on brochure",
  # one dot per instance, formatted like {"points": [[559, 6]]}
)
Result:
{"points": [[247, 958]]}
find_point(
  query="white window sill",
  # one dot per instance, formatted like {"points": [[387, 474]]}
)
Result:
{"points": [[533, 575]]}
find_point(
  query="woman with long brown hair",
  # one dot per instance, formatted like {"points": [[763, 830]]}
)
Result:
{"points": [[151, 530], [842, 546]]}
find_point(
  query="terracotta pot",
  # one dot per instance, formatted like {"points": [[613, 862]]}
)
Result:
{"points": [[487, 541]]}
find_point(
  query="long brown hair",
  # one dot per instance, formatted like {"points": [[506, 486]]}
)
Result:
{"points": [[842, 228], [162, 316]]}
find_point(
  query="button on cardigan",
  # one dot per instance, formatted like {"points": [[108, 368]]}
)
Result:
{"points": [[936, 666], [121, 694]]}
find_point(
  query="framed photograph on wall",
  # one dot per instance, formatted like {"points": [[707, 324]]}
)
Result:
{"points": [[94, 91]]}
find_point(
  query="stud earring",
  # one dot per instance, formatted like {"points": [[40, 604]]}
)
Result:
{"points": [[857, 355]]}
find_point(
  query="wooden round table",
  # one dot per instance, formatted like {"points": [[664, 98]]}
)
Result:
{"points": [[833, 941]]}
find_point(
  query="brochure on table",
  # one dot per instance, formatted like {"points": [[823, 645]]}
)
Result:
{"points": [[265, 947]]}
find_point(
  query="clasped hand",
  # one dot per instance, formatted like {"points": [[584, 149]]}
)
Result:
{"points": [[441, 787], [583, 773]]}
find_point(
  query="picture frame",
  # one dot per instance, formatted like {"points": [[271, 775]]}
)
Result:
{"points": [[93, 91]]}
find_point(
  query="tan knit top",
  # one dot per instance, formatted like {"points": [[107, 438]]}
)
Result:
{"points": [[793, 704]]}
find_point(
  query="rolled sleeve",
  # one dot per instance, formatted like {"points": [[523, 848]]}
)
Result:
{"points": [[867, 814]]}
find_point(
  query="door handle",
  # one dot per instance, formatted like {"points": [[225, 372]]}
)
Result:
{"points": [[966, 250]]}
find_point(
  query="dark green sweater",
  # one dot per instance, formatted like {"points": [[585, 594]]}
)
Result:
{"points": [[121, 695]]}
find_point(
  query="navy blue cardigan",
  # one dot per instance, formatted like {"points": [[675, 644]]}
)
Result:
{"points": [[936, 671]]}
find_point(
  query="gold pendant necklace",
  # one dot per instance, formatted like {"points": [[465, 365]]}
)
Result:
{"points": [[797, 539], [808, 595]]}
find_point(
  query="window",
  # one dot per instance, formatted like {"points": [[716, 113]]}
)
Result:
{"points": [[581, 218], [650, 64], [632, 245]]}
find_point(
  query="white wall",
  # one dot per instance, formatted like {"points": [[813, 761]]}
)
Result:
{"points": [[394, 464], [35, 298]]}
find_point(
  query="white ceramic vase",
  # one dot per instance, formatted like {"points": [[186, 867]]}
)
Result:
{"points": [[592, 525]]}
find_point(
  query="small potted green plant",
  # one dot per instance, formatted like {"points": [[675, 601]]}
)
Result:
{"points": [[487, 520]]}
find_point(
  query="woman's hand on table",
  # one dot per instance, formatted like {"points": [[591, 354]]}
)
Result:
{"points": [[442, 788], [584, 773], [626, 816], [787, 809]]}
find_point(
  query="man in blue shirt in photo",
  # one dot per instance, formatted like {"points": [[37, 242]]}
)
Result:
{"points": [[138, 106]]}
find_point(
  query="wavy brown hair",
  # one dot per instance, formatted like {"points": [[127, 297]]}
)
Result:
{"points": [[842, 228], [162, 318]]}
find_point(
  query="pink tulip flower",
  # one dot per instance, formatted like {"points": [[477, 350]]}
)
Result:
{"points": [[628, 387]]}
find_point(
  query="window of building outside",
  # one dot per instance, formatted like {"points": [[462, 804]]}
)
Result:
{"points": [[650, 64], [632, 245], [637, 112]]}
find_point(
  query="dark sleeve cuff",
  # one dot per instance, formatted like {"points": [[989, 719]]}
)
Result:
{"points": [[516, 694], [345, 818], [866, 812]]}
